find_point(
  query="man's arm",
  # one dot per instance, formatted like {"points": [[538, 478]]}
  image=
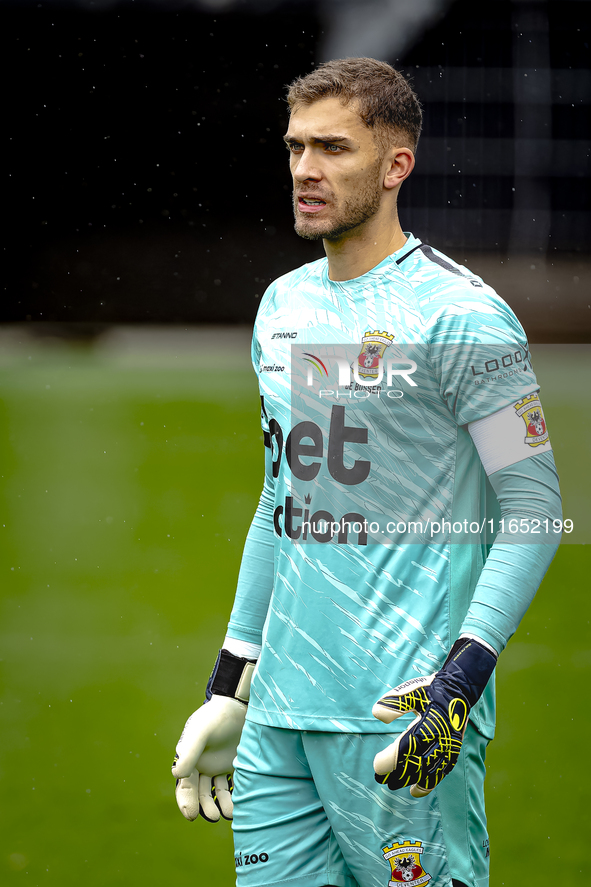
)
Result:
{"points": [[255, 580], [527, 490], [207, 747]]}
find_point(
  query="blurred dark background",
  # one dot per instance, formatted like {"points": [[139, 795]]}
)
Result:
{"points": [[148, 183]]}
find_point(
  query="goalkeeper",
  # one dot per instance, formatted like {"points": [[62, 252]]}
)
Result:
{"points": [[353, 696]]}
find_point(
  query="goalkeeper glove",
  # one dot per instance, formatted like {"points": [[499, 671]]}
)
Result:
{"points": [[207, 747], [428, 750]]}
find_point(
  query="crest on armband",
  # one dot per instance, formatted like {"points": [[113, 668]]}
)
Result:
{"points": [[405, 861], [530, 410]]}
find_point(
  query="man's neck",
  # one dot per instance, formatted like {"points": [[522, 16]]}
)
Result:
{"points": [[359, 251]]}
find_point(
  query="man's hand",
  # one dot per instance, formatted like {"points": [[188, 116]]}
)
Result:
{"points": [[205, 753], [429, 748], [204, 756]]}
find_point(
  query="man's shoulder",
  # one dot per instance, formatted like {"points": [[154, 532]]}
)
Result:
{"points": [[438, 279], [311, 271], [453, 298], [290, 294], [431, 271]]}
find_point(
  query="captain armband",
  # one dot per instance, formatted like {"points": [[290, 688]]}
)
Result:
{"points": [[514, 433], [231, 676]]}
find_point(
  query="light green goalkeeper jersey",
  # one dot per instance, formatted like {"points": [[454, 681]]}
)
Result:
{"points": [[372, 528]]}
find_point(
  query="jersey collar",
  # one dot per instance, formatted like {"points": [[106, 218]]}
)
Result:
{"points": [[399, 256]]}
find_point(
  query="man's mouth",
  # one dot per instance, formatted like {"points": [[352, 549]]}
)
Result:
{"points": [[310, 204]]}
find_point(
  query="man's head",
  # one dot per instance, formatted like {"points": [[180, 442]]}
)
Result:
{"points": [[383, 98], [353, 130]]}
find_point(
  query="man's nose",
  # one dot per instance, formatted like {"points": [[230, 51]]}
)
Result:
{"points": [[306, 167]]}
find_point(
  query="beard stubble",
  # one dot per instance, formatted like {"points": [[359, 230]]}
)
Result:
{"points": [[356, 210]]}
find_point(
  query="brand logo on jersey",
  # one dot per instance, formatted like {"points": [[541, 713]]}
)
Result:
{"points": [[405, 862], [496, 368], [284, 336], [339, 435], [374, 345], [250, 859], [530, 410], [305, 524]]}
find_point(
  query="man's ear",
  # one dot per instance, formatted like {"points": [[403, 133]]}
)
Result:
{"points": [[400, 164]]}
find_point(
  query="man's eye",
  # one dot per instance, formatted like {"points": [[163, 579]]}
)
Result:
{"points": [[293, 147], [334, 149]]}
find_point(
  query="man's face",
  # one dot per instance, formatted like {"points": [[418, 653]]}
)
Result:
{"points": [[337, 171]]}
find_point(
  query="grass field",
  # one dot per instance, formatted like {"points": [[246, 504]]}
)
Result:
{"points": [[130, 472]]}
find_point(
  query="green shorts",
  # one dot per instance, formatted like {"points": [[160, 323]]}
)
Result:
{"points": [[308, 811]]}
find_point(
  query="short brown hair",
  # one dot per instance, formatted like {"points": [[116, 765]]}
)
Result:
{"points": [[387, 102]]}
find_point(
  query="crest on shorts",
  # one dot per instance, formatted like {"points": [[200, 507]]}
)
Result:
{"points": [[374, 344], [530, 410], [405, 861]]}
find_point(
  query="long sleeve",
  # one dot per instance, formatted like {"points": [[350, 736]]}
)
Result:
{"points": [[255, 580], [527, 490]]}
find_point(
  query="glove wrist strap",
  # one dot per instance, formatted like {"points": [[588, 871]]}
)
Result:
{"points": [[470, 664], [231, 676]]}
